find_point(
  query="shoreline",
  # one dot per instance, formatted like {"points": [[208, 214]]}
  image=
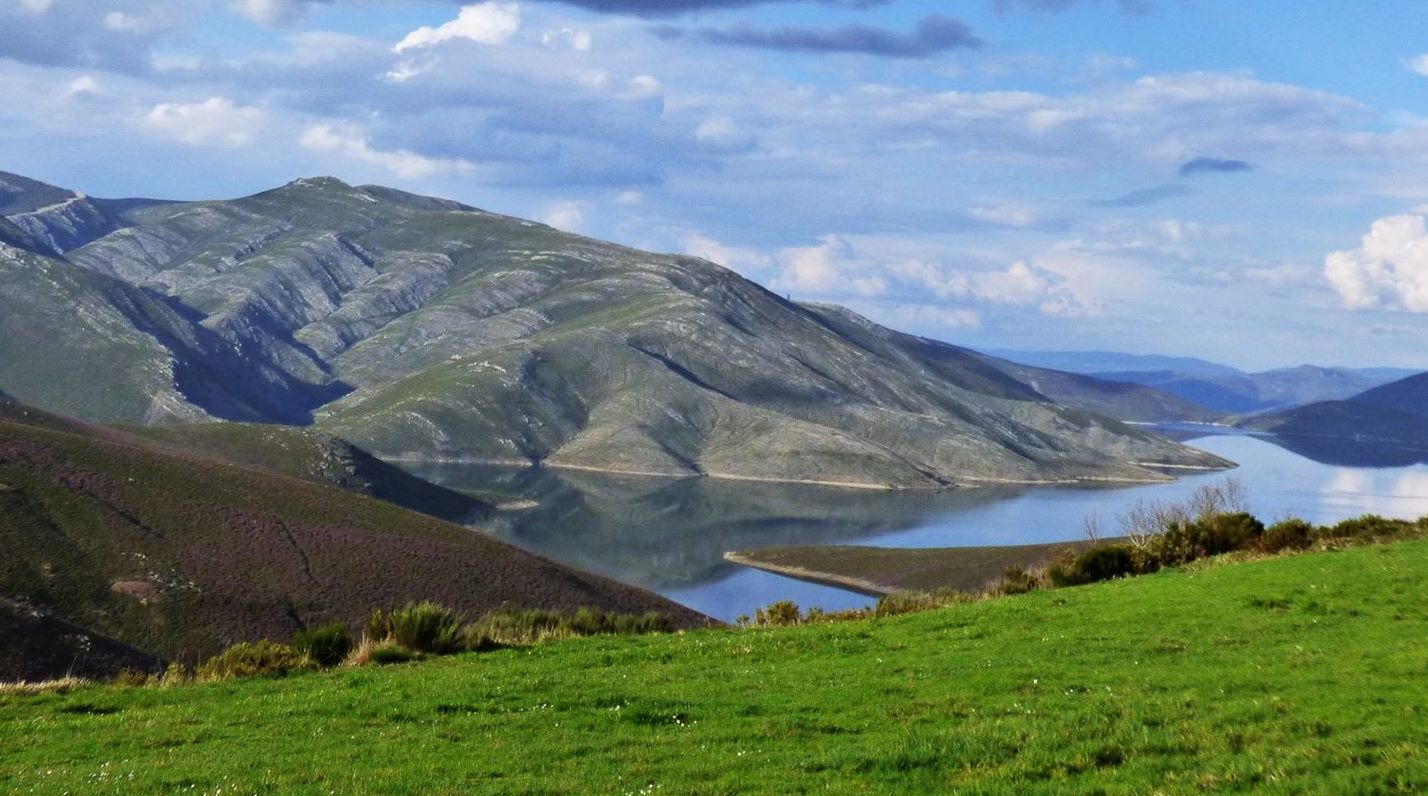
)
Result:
{"points": [[965, 482]]}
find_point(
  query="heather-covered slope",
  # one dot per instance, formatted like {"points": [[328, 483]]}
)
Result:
{"points": [[180, 554], [422, 328]]}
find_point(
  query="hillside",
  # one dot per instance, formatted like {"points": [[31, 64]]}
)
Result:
{"points": [[1385, 425], [1298, 675], [422, 328], [178, 554], [1122, 400]]}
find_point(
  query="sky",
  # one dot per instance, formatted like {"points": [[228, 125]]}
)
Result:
{"points": [[1243, 182]]}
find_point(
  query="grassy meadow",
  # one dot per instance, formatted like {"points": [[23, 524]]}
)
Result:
{"points": [[1305, 673]]}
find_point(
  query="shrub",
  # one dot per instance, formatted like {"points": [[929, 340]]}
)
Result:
{"points": [[1016, 580], [326, 645], [780, 614], [1210, 535], [534, 625], [421, 627], [1102, 562], [1290, 534], [246, 659], [912, 602], [134, 677], [1369, 526], [389, 652], [380, 653]]}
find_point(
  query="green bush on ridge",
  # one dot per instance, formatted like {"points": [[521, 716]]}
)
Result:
{"points": [[250, 659], [327, 645]]}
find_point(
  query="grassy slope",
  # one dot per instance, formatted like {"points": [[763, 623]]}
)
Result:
{"points": [[179, 555], [1302, 674]]}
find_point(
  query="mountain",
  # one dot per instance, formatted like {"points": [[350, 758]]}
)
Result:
{"points": [[1093, 362], [50, 220], [1387, 425], [1221, 389], [1123, 400], [178, 554], [422, 328]]}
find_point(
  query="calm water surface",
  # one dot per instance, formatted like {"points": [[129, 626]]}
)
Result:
{"points": [[670, 535]]}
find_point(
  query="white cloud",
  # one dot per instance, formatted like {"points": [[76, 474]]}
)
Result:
{"points": [[578, 40], [84, 84], [351, 142], [36, 7], [484, 23], [813, 269], [1282, 275], [268, 12], [120, 22], [643, 87], [722, 134], [566, 216], [1019, 215], [1390, 269], [216, 121], [629, 198], [1418, 64], [745, 261]]}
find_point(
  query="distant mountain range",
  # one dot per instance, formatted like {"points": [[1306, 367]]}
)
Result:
{"points": [[1218, 388], [423, 328], [118, 542]]}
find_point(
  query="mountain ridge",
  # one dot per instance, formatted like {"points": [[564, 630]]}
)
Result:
{"points": [[424, 328]]}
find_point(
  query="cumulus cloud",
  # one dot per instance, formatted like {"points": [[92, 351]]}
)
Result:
{"points": [[934, 34], [83, 85], [578, 40], [813, 269], [1017, 215], [566, 216], [1418, 64], [723, 135], [350, 142], [1198, 166], [488, 23], [1390, 269], [217, 121], [746, 261]]}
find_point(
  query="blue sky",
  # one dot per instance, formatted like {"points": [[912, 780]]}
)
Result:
{"points": [[1244, 182]]}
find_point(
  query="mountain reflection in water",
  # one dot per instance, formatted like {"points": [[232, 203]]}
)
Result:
{"points": [[671, 535]]}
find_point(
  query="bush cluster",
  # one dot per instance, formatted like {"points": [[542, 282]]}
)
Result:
{"points": [[403, 634], [328, 645], [420, 627], [249, 659], [536, 625]]}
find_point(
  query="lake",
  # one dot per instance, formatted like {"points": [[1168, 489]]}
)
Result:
{"points": [[670, 535]]}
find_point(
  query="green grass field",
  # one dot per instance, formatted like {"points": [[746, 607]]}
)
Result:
{"points": [[1290, 675]]}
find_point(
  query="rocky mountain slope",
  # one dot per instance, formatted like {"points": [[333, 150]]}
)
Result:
{"points": [[423, 328], [177, 554]]}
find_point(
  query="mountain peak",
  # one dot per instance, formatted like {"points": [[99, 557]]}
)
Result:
{"points": [[319, 183]]}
